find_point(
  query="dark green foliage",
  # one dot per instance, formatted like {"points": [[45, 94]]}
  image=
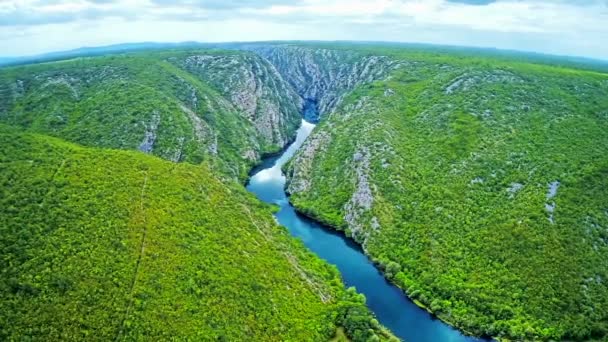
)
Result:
{"points": [[357, 321]]}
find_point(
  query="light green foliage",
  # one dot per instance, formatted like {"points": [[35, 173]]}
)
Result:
{"points": [[462, 151], [117, 245]]}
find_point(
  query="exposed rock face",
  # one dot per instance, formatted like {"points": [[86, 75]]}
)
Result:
{"points": [[71, 83], [200, 129], [551, 193], [255, 88], [301, 167], [250, 155], [322, 75], [191, 97], [147, 144], [362, 198], [470, 80], [179, 150], [514, 188], [477, 180]]}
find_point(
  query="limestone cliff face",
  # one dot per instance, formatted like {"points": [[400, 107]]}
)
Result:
{"points": [[354, 167], [299, 171], [256, 89], [323, 75]]}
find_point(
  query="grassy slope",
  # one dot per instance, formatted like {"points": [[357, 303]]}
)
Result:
{"points": [[106, 244], [440, 167]]}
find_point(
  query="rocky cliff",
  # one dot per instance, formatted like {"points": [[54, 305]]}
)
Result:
{"points": [[324, 76], [255, 88]]}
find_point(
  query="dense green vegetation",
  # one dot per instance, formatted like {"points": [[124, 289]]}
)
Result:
{"points": [[116, 245], [109, 244], [487, 179], [151, 102], [476, 182]]}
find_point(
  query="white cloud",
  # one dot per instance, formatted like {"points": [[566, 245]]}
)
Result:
{"points": [[573, 27]]}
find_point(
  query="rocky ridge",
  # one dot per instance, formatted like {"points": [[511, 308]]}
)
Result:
{"points": [[255, 88], [325, 76]]}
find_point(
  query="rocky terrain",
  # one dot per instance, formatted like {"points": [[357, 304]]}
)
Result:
{"points": [[323, 75], [255, 88]]}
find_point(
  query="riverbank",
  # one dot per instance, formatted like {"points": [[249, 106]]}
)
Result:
{"points": [[389, 304], [380, 267]]}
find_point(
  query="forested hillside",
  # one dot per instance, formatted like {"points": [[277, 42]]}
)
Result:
{"points": [[109, 244], [170, 104], [477, 184], [117, 245]]}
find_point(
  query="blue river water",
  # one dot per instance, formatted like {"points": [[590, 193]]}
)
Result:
{"points": [[392, 308]]}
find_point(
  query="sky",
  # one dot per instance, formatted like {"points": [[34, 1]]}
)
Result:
{"points": [[564, 27]]}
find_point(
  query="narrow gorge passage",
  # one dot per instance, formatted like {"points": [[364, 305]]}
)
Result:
{"points": [[392, 308]]}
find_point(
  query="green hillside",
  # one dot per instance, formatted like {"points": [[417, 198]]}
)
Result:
{"points": [[115, 245], [479, 186], [477, 182], [164, 103]]}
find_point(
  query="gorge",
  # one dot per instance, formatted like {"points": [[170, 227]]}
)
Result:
{"points": [[392, 308], [475, 183]]}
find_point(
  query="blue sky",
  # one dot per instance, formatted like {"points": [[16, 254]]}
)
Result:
{"points": [[570, 27]]}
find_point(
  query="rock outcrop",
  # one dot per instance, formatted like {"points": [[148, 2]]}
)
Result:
{"points": [[362, 199], [255, 88], [322, 75], [472, 79], [147, 144], [300, 173]]}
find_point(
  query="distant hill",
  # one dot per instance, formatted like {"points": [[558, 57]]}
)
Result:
{"points": [[573, 61], [95, 51]]}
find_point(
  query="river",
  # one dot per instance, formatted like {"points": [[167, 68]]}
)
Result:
{"points": [[392, 308]]}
